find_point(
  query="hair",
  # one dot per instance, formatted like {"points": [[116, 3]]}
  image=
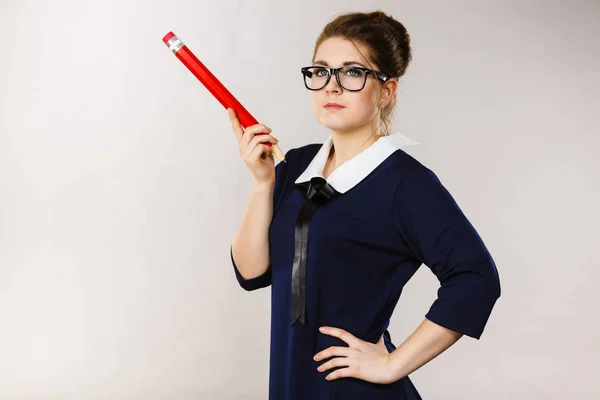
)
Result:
{"points": [[387, 41]]}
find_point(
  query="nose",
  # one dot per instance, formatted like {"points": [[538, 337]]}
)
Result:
{"points": [[332, 84]]}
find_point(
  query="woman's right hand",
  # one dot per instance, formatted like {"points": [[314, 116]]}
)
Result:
{"points": [[255, 153]]}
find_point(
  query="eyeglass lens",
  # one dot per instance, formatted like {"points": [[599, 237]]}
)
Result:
{"points": [[350, 78]]}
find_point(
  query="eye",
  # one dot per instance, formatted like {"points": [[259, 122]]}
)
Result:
{"points": [[353, 72], [320, 72]]}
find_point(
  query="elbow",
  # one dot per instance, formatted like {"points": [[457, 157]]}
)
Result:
{"points": [[485, 288], [466, 299], [488, 293], [496, 292], [254, 283], [482, 281], [493, 281]]}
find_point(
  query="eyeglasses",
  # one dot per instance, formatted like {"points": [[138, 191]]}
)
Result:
{"points": [[352, 79]]}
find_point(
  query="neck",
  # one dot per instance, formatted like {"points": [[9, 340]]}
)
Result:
{"points": [[346, 145]]}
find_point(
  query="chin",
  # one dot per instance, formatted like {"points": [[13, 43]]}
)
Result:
{"points": [[330, 123], [341, 127], [336, 123]]}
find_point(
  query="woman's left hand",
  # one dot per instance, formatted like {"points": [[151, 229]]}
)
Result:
{"points": [[363, 360]]}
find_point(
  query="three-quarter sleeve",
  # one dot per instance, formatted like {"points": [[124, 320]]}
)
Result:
{"points": [[429, 221], [257, 282], [263, 280]]}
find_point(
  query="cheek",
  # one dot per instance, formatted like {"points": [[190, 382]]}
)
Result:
{"points": [[369, 96], [371, 101], [363, 105], [317, 106], [315, 100], [366, 101]]}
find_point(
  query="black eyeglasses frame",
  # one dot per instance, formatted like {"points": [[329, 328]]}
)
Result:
{"points": [[335, 71]]}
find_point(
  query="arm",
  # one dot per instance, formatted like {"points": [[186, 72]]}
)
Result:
{"points": [[250, 247], [427, 342], [250, 250], [432, 227]]}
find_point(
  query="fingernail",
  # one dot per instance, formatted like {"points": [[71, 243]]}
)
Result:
{"points": [[322, 329]]}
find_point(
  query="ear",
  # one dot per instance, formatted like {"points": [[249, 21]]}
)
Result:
{"points": [[389, 90]]}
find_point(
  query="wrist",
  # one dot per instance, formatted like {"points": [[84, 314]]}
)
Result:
{"points": [[396, 368], [266, 186]]}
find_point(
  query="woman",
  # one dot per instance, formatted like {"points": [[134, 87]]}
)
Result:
{"points": [[375, 215]]}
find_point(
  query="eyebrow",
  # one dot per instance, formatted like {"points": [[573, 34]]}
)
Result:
{"points": [[344, 64]]}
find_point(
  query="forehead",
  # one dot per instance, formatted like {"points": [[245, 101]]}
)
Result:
{"points": [[336, 51]]}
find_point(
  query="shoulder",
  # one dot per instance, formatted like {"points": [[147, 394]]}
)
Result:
{"points": [[406, 169], [298, 158], [303, 153], [416, 184], [419, 193], [296, 161]]}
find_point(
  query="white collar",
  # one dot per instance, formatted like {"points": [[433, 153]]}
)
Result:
{"points": [[350, 173]]}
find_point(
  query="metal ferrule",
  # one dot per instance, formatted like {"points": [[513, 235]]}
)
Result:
{"points": [[174, 44]]}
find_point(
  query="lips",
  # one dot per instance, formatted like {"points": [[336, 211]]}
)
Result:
{"points": [[334, 106]]}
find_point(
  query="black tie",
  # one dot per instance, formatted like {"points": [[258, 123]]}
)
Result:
{"points": [[318, 192]]}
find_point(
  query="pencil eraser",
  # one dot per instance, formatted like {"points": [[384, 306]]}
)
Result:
{"points": [[168, 37]]}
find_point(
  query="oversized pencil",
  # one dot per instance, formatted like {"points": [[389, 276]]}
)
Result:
{"points": [[213, 85]]}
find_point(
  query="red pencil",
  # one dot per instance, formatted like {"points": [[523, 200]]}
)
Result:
{"points": [[214, 86]]}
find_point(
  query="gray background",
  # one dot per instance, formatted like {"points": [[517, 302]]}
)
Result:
{"points": [[121, 188]]}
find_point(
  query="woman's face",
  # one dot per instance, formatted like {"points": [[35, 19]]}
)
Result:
{"points": [[360, 108]]}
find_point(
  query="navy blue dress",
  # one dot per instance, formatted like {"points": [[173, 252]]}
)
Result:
{"points": [[390, 215]]}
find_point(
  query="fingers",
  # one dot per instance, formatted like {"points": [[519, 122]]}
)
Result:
{"points": [[245, 135], [235, 124], [252, 141], [256, 141], [336, 362], [253, 132], [347, 372], [347, 337], [258, 152], [332, 352]]}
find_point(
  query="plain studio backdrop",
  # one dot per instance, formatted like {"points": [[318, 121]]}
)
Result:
{"points": [[121, 188]]}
